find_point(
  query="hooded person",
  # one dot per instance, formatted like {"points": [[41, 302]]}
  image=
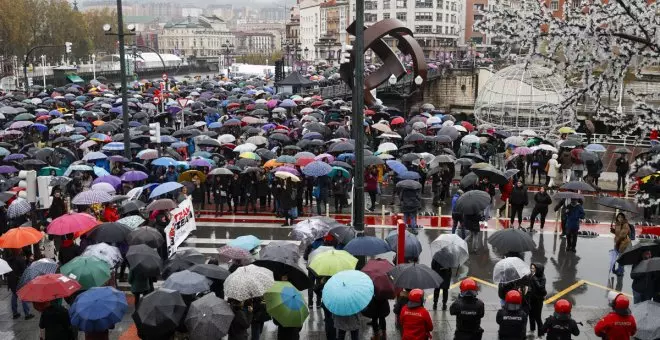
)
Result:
{"points": [[552, 170], [619, 324], [512, 318], [560, 325], [535, 296], [416, 323]]}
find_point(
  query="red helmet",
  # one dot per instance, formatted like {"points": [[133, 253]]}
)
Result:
{"points": [[513, 297], [563, 306], [468, 285], [416, 295], [621, 302]]}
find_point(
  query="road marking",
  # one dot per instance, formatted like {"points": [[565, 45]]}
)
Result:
{"points": [[564, 292], [484, 282], [605, 287]]}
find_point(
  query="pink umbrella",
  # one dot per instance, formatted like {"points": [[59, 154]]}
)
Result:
{"points": [[272, 103], [71, 223], [325, 156], [523, 150], [288, 169]]}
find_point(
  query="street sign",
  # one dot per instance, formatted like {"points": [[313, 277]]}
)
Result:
{"points": [[156, 100], [182, 102], [164, 76]]}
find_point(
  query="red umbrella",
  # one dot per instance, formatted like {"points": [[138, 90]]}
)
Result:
{"points": [[317, 103], [397, 120], [233, 106], [377, 270], [48, 288], [468, 126], [250, 107], [575, 154], [369, 112], [304, 161], [71, 223], [20, 237]]}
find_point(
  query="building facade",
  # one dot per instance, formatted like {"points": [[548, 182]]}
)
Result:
{"points": [[310, 28], [334, 21], [195, 37], [254, 43]]}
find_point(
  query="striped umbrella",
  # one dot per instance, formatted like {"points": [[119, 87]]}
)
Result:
{"points": [[18, 207], [91, 197], [37, 268]]}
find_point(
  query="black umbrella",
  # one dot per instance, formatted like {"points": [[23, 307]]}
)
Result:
{"points": [[469, 180], [342, 147], [145, 235], [159, 313], [575, 185], [492, 174], [633, 255], [409, 157], [342, 234], [414, 275], [567, 195], [414, 137], [475, 157], [282, 260], [512, 240], [182, 260], [621, 150], [409, 184], [373, 160], [144, 259], [618, 203], [472, 202], [109, 232], [131, 206], [211, 271], [651, 265]]}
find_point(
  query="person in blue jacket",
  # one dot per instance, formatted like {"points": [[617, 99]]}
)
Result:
{"points": [[574, 213], [455, 217]]}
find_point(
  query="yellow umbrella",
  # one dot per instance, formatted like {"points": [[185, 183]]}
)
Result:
{"points": [[649, 177], [188, 175], [250, 155], [566, 129]]}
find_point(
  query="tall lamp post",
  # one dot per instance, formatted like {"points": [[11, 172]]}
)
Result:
{"points": [[405, 95], [94, 65], [107, 28], [43, 68], [227, 49], [357, 126]]}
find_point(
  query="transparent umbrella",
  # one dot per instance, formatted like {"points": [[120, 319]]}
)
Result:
{"points": [[450, 251], [510, 269]]}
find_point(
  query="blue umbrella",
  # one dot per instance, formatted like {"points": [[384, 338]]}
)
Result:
{"points": [[179, 144], [215, 125], [164, 161], [590, 147], [312, 135], [114, 146], [247, 242], [367, 246], [346, 157], [397, 166], [317, 169], [167, 139], [412, 244], [100, 172], [40, 127], [134, 123], [348, 292], [288, 103], [165, 188], [409, 175], [98, 309]]}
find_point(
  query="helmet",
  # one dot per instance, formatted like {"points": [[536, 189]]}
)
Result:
{"points": [[513, 297], [621, 302], [563, 306], [415, 298], [468, 285]]}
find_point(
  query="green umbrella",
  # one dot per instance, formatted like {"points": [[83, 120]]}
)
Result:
{"points": [[286, 305], [24, 116], [331, 262], [45, 171], [89, 271]]}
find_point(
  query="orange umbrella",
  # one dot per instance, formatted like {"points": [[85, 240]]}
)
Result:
{"points": [[20, 237], [98, 122], [273, 163]]}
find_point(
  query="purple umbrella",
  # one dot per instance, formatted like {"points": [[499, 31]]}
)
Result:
{"points": [[288, 103], [271, 103], [119, 159], [112, 180], [200, 162], [7, 169], [20, 124], [290, 170], [268, 127], [173, 109], [116, 109], [133, 176], [14, 157]]}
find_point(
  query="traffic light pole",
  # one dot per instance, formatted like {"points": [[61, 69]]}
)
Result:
{"points": [[124, 93], [25, 64], [358, 118]]}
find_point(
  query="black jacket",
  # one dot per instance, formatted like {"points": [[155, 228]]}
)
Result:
{"points": [[56, 323], [469, 311], [18, 264], [518, 195], [559, 327], [537, 291], [471, 222], [622, 166], [445, 274], [238, 330], [377, 308], [542, 200], [513, 323]]}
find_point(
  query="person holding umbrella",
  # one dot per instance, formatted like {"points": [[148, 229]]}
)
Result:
{"points": [[551, 171], [241, 322], [469, 311], [445, 274], [541, 202], [574, 214], [371, 185], [518, 200], [621, 231], [55, 323], [259, 317], [323, 189], [456, 216], [644, 285], [18, 263], [411, 201]]}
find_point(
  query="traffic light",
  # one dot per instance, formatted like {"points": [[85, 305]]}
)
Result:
{"points": [[68, 46], [346, 54]]}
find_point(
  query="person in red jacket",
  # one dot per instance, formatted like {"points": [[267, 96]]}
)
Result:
{"points": [[618, 324], [505, 192], [110, 213], [415, 320]]}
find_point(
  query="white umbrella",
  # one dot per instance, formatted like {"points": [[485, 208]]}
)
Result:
{"points": [[106, 187], [529, 133], [248, 282], [105, 252], [510, 269], [646, 315], [4, 267], [247, 147], [547, 147], [226, 138], [460, 128], [387, 147], [470, 139]]}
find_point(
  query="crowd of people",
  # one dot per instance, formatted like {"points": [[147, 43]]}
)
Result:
{"points": [[238, 147]]}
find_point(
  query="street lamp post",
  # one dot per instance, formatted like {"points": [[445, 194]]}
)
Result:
{"points": [[43, 68], [405, 95], [94, 65], [357, 126], [107, 28], [227, 49]]}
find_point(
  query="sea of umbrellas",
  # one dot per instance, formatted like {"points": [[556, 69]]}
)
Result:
{"points": [[74, 134]]}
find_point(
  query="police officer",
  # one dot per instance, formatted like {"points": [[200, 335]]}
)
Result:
{"points": [[560, 325], [512, 318], [469, 311], [618, 324]]}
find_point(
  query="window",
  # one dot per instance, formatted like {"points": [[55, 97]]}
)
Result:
{"points": [[453, 30], [386, 15], [554, 5], [453, 6], [423, 3], [478, 7], [440, 3], [370, 17], [423, 29], [438, 17], [401, 4], [401, 16], [370, 5], [453, 18], [386, 4], [423, 16], [438, 29], [446, 17]]}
